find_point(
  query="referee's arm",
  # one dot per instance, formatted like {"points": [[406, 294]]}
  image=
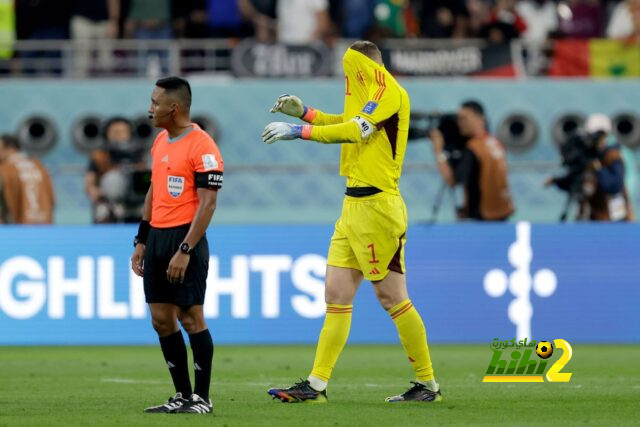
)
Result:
{"points": [[207, 196], [138, 252], [146, 212], [207, 199]]}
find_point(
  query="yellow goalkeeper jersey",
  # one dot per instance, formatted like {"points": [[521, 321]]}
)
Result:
{"points": [[372, 98]]}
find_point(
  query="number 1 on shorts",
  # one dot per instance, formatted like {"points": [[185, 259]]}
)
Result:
{"points": [[373, 254]]}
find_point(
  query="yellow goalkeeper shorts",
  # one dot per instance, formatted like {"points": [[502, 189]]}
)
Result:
{"points": [[369, 235]]}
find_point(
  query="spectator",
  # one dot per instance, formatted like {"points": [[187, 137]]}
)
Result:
{"points": [[504, 23], [603, 192], [225, 20], [108, 180], [394, 18], [43, 20], [336, 20], [541, 18], [302, 21], [26, 190], [7, 29], [357, 18], [150, 20], [93, 22], [482, 169], [441, 19], [542, 22], [582, 19], [479, 11], [191, 19], [625, 20], [262, 14]]}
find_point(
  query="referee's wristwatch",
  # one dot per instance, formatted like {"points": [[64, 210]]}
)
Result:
{"points": [[185, 248]]}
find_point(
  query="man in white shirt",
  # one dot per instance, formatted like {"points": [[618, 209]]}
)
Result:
{"points": [[302, 21], [541, 18], [625, 20]]}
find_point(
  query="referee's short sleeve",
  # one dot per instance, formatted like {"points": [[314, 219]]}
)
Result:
{"points": [[206, 156]]}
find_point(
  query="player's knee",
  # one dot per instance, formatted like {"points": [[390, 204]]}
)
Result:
{"points": [[331, 296], [192, 323], [385, 300], [164, 325], [188, 324], [337, 296]]}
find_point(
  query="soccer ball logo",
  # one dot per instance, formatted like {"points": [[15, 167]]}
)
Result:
{"points": [[544, 349]]}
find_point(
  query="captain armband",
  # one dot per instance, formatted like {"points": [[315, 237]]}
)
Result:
{"points": [[366, 128], [211, 180]]}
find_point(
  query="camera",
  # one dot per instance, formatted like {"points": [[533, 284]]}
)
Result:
{"points": [[447, 123], [579, 150], [421, 123], [123, 192]]}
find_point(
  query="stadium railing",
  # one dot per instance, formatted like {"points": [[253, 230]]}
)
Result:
{"points": [[149, 58]]}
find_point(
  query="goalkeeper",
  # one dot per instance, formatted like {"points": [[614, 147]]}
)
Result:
{"points": [[368, 241]]}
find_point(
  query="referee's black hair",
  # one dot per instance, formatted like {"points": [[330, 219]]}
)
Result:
{"points": [[10, 141], [177, 86], [474, 106]]}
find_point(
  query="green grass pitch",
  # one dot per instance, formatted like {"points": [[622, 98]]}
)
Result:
{"points": [[109, 386]]}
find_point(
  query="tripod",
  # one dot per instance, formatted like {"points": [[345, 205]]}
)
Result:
{"points": [[437, 203], [575, 195]]}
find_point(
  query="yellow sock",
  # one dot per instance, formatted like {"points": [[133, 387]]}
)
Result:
{"points": [[413, 337], [333, 337]]}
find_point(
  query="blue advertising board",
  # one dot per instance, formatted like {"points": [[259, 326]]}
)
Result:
{"points": [[471, 283]]}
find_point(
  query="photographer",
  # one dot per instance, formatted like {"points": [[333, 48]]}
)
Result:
{"points": [[481, 169], [595, 176], [110, 180], [26, 189]]}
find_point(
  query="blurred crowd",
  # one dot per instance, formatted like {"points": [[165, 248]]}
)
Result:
{"points": [[307, 21]]}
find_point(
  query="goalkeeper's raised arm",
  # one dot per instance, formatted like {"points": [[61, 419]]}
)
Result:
{"points": [[334, 130], [370, 111], [292, 106], [355, 130], [325, 128]]}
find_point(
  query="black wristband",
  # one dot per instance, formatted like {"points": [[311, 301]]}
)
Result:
{"points": [[143, 232]]}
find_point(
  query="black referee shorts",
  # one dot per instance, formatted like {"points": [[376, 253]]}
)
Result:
{"points": [[162, 244]]}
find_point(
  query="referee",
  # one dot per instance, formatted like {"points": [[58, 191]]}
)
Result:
{"points": [[171, 250]]}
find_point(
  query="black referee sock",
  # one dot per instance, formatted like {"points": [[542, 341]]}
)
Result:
{"points": [[175, 354], [202, 347]]}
